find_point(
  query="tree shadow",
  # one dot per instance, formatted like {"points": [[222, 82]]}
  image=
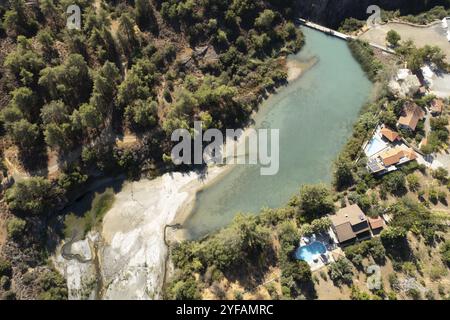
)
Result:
{"points": [[308, 290], [251, 270], [35, 159]]}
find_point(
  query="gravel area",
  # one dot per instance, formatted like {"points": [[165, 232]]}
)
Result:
{"points": [[433, 35]]}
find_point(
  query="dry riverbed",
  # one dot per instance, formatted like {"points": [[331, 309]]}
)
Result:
{"points": [[127, 256]]}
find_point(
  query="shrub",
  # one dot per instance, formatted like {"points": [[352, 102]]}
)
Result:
{"points": [[32, 196], [341, 271], [53, 286], [9, 295], [393, 281], [5, 282], [15, 227], [392, 296], [445, 252], [433, 196], [413, 182], [351, 25], [430, 295], [5, 267], [393, 38], [298, 270], [364, 54], [395, 183], [442, 196], [414, 294], [238, 295], [272, 290], [440, 174], [437, 272], [357, 294], [184, 290]]}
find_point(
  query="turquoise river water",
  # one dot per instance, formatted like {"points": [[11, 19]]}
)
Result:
{"points": [[314, 114]]}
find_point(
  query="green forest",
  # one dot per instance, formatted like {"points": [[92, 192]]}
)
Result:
{"points": [[135, 68]]}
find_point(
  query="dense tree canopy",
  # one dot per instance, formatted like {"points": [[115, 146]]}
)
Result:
{"points": [[33, 196], [141, 68], [315, 201]]}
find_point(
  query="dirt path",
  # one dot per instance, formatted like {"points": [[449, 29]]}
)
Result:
{"points": [[97, 5]]}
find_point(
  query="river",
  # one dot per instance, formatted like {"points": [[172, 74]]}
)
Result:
{"points": [[314, 115], [126, 257]]}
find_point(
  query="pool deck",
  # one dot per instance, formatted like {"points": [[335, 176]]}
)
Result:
{"points": [[369, 149], [325, 240]]}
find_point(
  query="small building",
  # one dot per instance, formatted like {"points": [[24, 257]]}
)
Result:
{"points": [[349, 224], [389, 134], [376, 224], [437, 105], [411, 116]]}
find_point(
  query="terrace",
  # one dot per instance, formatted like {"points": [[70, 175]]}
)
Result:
{"points": [[316, 250], [385, 151]]}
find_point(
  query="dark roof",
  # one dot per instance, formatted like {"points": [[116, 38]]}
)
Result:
{"points": [[344, 232]]}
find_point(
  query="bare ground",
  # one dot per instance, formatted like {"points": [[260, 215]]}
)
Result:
{"points": [[433, 35]]}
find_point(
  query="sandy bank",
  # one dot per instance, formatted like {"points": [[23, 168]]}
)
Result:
{"points": [[133, 257], [294, 70], [131, 250]]}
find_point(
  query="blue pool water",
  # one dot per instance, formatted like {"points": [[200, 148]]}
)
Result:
{"points": [[375, 145], [307, 253]]}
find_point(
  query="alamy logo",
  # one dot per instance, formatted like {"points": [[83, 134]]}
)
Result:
{"points": [[74, 20], [375, 18], [252, 148]]}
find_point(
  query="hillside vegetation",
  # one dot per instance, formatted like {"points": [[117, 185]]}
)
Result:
{"points": [[136, 68]]}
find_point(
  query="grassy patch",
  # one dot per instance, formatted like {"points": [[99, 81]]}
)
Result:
{"points": [[81, 225]]}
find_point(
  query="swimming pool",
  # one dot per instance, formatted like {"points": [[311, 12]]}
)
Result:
{"points": [[309, 252], [374, 146]]}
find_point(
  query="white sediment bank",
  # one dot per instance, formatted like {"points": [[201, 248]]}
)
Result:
{"points": [[131, 250]]}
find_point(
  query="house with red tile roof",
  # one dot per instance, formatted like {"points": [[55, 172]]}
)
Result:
{"points": [[437, 105], [411, 116], [376, 224], [389, 134]]}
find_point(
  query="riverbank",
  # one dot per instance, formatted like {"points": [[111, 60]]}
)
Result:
{"points": [[130, 247], [314, 115], [295, 68], [128, 255]]}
